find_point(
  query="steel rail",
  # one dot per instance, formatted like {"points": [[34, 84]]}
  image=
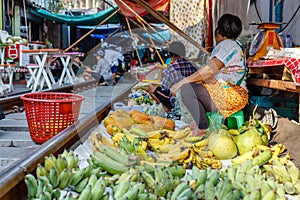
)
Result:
{"points": [[12, 185]]}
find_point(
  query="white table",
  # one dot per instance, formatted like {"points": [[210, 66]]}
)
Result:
{"points": [[40, 71], [67, 74]]}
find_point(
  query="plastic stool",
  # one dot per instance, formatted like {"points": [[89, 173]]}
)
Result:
{"points": [[236, 120], [214, 117]]}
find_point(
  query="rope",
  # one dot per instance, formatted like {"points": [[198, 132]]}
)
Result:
{"points": [[88, 33], [160, 58], [131, 35]]}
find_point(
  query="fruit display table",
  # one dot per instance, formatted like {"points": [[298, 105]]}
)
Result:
{"points": [[269, 74]]}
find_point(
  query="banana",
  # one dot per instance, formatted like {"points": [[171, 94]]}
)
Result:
{"points": [[98, 191], [61, 163], [31, 184], [154, 134], [281, 171], [96, 141], [54, 177], [132, 193], [243, 158], [48, 188], [262, 158], [114, 154], [271, 195], [160, 189], [40, 171], [78, 176], [64, 178], [45, 196], [158, 174], [289, 188], [86, 193], [193, 139], [138, 132], [182, 155], [178, 189], [185, 194], [231, 173], [213, 177], [121, 189], [108, 164], [40, 188], [71, 163], [81, 185], [293, 171], [182, 133], [148, 179], [92, 180], [49, 163], [56, 193], [209, 191], [177, 170]]}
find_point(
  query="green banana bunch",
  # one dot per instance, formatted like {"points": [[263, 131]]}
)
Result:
{"points": [[86, 193], [49, 162], [54, 177], [179, 189], [64, 178], [40, 171], [77, 177], [61, 163], [126, 146], [32, 185], [82, 185], [149, 180], [98, 190], [108, 164], [114, 154], [121, 189]]}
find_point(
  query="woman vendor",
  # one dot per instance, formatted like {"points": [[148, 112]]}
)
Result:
{"points": [[219, 86]]}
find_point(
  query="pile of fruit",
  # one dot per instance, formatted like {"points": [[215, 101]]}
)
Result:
{"points": [[144, 157]]}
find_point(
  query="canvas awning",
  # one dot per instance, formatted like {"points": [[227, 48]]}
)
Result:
{"points": [[81, 20]]}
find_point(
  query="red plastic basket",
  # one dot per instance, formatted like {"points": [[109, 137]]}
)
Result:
{"points": [[48, 113]]}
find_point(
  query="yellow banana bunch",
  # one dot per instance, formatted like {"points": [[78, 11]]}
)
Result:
{"points": [[182, 133]]}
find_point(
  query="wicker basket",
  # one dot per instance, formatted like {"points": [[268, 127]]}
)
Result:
{"points": [[48, 113]]}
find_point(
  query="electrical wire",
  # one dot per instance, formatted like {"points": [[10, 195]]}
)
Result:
{"points": [[255, 6], [9, 18], [290, 19]]}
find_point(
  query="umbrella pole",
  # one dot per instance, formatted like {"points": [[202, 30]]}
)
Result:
{"points": [[137, 53], [162, 18], [88, 33], [160, 58]]}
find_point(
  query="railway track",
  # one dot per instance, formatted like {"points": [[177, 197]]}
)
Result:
{"points": [[97, 104]]}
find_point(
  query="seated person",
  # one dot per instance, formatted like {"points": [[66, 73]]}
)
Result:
{"points": [[77, 66], [102, 71], [178, 69]]}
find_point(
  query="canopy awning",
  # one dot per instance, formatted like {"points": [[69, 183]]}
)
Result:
{"points": [[81, 20]]}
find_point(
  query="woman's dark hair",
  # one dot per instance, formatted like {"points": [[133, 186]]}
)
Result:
{"points": [[177, 49], [229, 26]]}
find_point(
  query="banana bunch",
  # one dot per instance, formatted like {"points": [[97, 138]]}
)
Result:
{"points": [[262, 154], [112, 161], [137, 147], [287, 174], [40, 188], [253, 183], [191, 154], [97, 140]]}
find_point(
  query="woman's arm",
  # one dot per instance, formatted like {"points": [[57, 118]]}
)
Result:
{"points": [[212, 67]]}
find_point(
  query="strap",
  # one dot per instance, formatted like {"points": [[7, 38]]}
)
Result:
{"points": [[239, 82]]}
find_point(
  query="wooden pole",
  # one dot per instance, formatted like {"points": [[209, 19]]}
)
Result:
{"points": [[163, 19], [88, 33]]}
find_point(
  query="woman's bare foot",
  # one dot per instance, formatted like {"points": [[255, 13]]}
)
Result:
{"points": [[199, 132]]}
